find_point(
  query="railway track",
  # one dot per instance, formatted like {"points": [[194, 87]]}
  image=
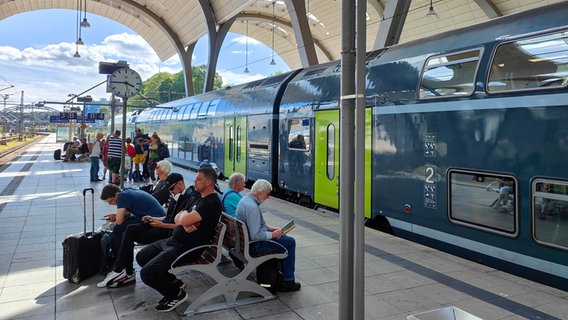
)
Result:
{"points": [[7, 156]]}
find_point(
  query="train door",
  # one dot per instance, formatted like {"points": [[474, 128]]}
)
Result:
{"points": [[326, 155], [235, 146]]}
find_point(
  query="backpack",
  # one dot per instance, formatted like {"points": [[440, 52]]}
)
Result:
{"points": [[223, 199], [163, 151], [136, 176], [57, 154], [269, 275]]}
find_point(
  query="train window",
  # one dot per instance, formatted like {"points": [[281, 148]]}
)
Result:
{"points": [[330, 157], [530, 64], [449, 75], [231, 142], [299, 135], [487, 202], [550, 212], [203, 110], [194, 110], [187, 111], [213, 108], [239, 144]]}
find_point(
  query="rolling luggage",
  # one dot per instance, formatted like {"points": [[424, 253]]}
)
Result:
{"points": [[82, 251], [57, 154]]}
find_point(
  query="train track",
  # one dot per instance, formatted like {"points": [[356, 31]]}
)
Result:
{"points": [[7, 156]]}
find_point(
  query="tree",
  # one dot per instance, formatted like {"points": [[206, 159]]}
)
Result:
{"points": [[163, 87]]}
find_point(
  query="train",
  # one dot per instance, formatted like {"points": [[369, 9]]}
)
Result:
{"points": [[466, 139]]}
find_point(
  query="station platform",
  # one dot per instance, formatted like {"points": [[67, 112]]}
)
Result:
{"points": [[41, 203]]}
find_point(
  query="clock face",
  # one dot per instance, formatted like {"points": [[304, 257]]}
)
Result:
{"points": [[125, 82]]}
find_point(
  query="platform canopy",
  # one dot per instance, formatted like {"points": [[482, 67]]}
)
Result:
{"points": [[171, 25]]}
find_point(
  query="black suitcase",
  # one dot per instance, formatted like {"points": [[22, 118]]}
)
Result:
{"points": [[57, 154], [82, 251], [269, 275]]}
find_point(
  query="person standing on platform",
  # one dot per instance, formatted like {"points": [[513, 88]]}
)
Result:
{"points": [[249, 212], [104, 158], [115, 147], [95, 151], [154, 155], [232, 194]]}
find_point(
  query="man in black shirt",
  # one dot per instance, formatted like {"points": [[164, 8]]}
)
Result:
{"points": [[148, 231], [195, 227]]}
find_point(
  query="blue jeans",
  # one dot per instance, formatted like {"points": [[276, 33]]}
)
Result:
{"points": [[289, 263], [94, 168], [118, 230]]}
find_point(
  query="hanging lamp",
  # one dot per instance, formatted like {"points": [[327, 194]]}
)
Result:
{"points": [[273, 25], [246, 48]]}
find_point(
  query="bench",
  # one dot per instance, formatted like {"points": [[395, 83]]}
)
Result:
{"points": [[232, 235]]}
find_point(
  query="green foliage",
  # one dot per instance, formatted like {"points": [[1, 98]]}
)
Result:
{"points": [[163, 87]]}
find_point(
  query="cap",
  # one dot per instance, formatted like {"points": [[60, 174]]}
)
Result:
{"points": [[205, 164], [172, 179]]}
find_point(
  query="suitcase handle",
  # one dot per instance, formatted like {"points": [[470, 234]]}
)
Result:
{"points": [[85, 209]]}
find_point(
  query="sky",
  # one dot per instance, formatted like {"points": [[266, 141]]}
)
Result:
{"points": [[37, 48]]}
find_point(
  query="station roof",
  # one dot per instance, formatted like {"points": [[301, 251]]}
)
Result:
{"points": [[169, 26]]}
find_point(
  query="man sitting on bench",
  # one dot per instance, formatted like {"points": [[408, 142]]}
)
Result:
{"points": [[150, 230], [248, 211], [195, 227]]}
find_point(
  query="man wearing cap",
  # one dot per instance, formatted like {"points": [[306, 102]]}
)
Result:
{"points": [[149, 230], [195, 227]]}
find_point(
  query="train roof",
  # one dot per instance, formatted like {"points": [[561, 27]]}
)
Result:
{"points": [[255, 97]]}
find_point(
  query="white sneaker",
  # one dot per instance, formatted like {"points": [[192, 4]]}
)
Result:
{"points": [[122, 281], [111, 277]]}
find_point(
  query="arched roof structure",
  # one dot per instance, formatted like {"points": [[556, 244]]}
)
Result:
{"points": [[306, 32]]}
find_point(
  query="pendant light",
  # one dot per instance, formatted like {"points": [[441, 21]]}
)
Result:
{"points": [[246, 48], [431, 12], [85, 23], [273, 25]]}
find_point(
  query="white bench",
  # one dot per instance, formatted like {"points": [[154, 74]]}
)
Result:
{"points": [[232, 235]]}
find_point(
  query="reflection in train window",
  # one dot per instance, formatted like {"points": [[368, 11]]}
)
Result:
{"points": [[231, 142], [330, 151], [449, 75], [239, 144], [536, 63], [550, 212], [299, 134], [487, 202], [187, 112]]}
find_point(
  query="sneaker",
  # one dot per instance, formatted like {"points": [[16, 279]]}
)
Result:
{"points": [[180, 284], [289, 286], [111, 276], [167, 305], [123, 281]]}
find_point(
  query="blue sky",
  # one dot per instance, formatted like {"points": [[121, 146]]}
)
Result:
{"points": [[37, 47]]}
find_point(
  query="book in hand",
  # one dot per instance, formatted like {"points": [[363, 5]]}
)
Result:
{"points": [[288, 227]]}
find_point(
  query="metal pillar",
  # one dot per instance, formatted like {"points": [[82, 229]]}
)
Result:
{"points": [[346, 158], [359, 255]]}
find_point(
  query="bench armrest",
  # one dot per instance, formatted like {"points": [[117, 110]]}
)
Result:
{"points": [[181, 256]]}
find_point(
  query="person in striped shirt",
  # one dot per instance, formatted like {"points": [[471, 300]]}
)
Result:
{"points": [[114, 156]]}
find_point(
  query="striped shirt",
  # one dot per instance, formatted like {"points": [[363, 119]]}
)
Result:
{"points": [[115, 146]]}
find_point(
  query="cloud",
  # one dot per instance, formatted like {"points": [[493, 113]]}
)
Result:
{"points": [[243, 40], [50, 72], [231, 78]]}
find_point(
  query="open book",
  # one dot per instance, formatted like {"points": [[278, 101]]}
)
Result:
{"points": [[288, 227]]}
